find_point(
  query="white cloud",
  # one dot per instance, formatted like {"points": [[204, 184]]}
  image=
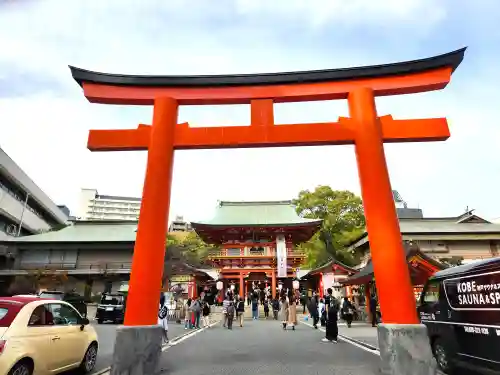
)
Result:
{"points": [[317, 13], [46, 132]]}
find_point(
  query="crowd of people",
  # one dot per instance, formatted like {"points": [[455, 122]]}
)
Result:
{"points": [[283, 308], [325, 311]]}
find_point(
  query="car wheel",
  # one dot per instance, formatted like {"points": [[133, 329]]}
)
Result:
{"points": [[441, 355], [22, 368], [99, 321], [89, 359]]}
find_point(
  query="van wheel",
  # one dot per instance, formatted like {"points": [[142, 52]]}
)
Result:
{"points": [[441, 355], [24, 367], [89, 359]]}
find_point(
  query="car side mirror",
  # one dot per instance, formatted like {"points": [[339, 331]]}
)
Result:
{"points": [[84, 322]]}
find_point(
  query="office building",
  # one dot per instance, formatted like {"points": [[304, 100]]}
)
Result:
{"points": [[24, 208]]}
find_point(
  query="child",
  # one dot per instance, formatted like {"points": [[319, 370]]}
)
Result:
{"points": [[276, 308], [266, 308]]}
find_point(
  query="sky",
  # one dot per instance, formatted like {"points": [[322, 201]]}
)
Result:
{"points": [[44, 117]]}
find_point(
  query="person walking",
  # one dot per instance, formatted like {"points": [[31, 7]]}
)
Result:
{"points": [[373, 310], [206, 314], [240, 311], [255, 307], [163, 318], [225, 305], [347, 311], [322, 312], [230, 315], [196, 309], [313, 310], [284, 311], [187, 314], [292, 312], [332, 329]]}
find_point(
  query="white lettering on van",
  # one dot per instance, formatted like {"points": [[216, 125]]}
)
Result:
{"points": [[475, 295]]}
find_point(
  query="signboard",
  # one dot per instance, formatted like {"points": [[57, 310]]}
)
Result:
{"points": [[281, 255], [477, 292], [180, 279]]}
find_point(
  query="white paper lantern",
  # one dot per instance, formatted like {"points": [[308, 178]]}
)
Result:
{"points": [[219, 285], [232, 286], [296, 284]]}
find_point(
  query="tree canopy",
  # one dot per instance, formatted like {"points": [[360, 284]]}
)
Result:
{"points": [[343, 221], [186, 248]]}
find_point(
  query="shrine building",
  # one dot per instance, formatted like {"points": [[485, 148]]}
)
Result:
{"points": [[256, 243]]}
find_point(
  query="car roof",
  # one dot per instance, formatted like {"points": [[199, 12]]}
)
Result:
{"points": [[20, 300], [52, 292], [477, 266]]}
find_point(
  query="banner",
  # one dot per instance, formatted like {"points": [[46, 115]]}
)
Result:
{"points": [[281, 255]]}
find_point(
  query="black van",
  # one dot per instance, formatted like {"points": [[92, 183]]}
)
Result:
{"points": [[111, 307], [461, 308]]}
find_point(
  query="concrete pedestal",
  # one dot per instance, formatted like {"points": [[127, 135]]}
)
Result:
{"points": [[405, 350], [137, 350]]}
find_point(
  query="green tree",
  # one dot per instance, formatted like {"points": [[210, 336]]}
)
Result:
{"points": [[188, 248], [343, 221]]}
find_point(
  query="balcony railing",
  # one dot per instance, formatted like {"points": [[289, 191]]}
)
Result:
{"points": [[224, 253], [75, 266]]}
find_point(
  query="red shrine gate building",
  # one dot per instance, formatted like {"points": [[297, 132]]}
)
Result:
{"points": [[256, 243]]}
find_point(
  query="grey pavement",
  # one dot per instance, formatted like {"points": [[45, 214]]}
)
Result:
{"points": [[262, 347], [107, 333]]}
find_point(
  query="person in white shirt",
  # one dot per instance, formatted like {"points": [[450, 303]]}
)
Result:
{"points": [[163, 318], [321, 311]]}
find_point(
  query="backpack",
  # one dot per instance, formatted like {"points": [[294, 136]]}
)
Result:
{"points": [[162, 314]]}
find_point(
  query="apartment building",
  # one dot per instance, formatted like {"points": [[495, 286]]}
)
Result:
{"points": [[93, 206], [24, 208]]}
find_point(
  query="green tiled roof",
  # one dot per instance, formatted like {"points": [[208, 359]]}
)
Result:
{"points": [[87, 231], [256, 214]]}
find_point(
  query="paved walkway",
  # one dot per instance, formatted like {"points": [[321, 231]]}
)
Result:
{"points": [[262, 347]]}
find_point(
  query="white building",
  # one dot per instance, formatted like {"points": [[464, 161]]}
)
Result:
{"points": [[93, 206], [179, 225], [24, 208]]}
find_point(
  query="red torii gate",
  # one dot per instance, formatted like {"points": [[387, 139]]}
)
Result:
{"points": [[364, 128]]}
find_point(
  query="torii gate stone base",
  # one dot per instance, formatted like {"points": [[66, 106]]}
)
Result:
{"points": [[404, 345]]}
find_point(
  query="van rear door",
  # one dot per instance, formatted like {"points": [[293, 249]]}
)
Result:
{"points": [[475, 302]]}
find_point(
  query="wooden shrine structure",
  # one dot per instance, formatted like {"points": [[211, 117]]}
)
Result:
{"points": [[420, 266], [247, 234], [364, 128]]}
